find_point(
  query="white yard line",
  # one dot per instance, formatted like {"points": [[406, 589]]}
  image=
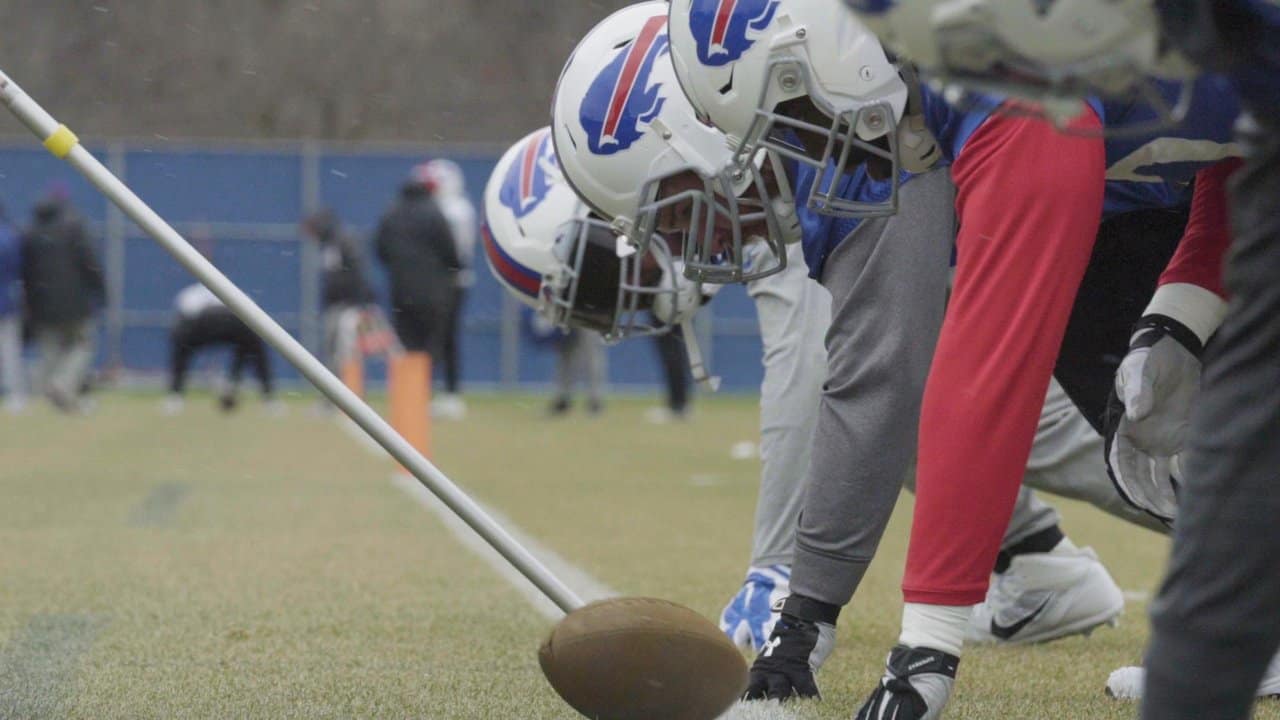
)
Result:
{"points": [[756, 710], [581, 582]]}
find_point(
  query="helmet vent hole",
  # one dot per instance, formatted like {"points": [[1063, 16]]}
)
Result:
{"points": [[572, 140], [728, 87]]}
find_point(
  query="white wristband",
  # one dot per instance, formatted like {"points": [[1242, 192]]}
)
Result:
{"points": [[1199, 309]]}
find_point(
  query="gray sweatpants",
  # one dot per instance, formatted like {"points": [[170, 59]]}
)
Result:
{"points": [[1217, 617], [794, 313], [341, 331], [888, 283]]}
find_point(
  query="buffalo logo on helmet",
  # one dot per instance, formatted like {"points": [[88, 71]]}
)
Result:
{"points": [[726, 29], [528, 181], [621, 102]]}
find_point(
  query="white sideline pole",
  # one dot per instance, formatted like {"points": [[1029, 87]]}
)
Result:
{"points": [[62, 143]]}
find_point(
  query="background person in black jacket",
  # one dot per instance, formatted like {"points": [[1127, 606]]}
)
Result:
{"points": [[415, 245], [63, 282], [344, 292]]}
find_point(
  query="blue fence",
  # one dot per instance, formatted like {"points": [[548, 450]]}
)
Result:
{"points": [[247, 200]]}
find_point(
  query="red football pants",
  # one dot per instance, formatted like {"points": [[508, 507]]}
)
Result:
{"points": [[1029, 202]]}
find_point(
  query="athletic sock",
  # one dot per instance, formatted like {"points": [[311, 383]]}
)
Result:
{"points": [[1046, 540], [938, 627]]}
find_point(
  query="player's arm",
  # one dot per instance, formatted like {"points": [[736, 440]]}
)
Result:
{"points": [[1159, 378], [1191, 288]]}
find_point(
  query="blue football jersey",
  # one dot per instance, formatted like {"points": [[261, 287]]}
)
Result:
{"points": [[1152, 169], [1146, 169], [820, 234]]}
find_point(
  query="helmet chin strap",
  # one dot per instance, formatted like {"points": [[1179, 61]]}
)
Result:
{"points": [[696, 365], [918, 149], [676, 307], [784, 203]]}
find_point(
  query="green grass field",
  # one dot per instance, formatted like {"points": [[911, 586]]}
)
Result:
{"points": [[266, 567]]}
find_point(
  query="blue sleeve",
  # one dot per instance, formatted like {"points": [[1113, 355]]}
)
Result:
{"points": [[953, 125], [821, 234]]}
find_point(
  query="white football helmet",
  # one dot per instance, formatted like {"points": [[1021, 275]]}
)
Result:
{"points": [[443, 176], [543, 245], [635, 150], [805, 80], [1053, 52]]}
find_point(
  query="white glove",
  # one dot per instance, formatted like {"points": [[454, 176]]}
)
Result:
{"points": [[749, 617], [1147, 483], [1157, 382]]}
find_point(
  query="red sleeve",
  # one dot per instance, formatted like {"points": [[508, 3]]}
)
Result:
{"points": [[1029, 200], [1199, 258]]}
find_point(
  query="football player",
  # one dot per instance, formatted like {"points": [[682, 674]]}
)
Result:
{"points": [[529, 207], [1029, 201], [549, 251], [1214, 620], [895, 351]]}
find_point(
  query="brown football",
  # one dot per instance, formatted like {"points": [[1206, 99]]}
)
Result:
{"points": [[642, 659]]}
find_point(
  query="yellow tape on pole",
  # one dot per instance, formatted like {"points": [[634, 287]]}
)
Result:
{"points": [[61, 142]]}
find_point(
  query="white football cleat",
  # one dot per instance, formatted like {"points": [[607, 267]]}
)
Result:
{"points": [[1127, 682], [1047, 596]]}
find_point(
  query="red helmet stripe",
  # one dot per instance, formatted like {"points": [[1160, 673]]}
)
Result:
{"points": [[630, 69], [721, 28], [516, 275], [528, 164]]}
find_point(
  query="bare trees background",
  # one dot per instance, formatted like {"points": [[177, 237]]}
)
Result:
{"points": [[414, 70]]}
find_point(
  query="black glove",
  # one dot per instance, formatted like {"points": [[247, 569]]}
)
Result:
{"points": [[786, 665], [916, 685]]}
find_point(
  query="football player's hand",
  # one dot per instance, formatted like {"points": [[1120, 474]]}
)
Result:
{"points": [[1155, 385], [1157, 382], [786, 666], [1148, 483], [749, 617], [916, 685]]}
